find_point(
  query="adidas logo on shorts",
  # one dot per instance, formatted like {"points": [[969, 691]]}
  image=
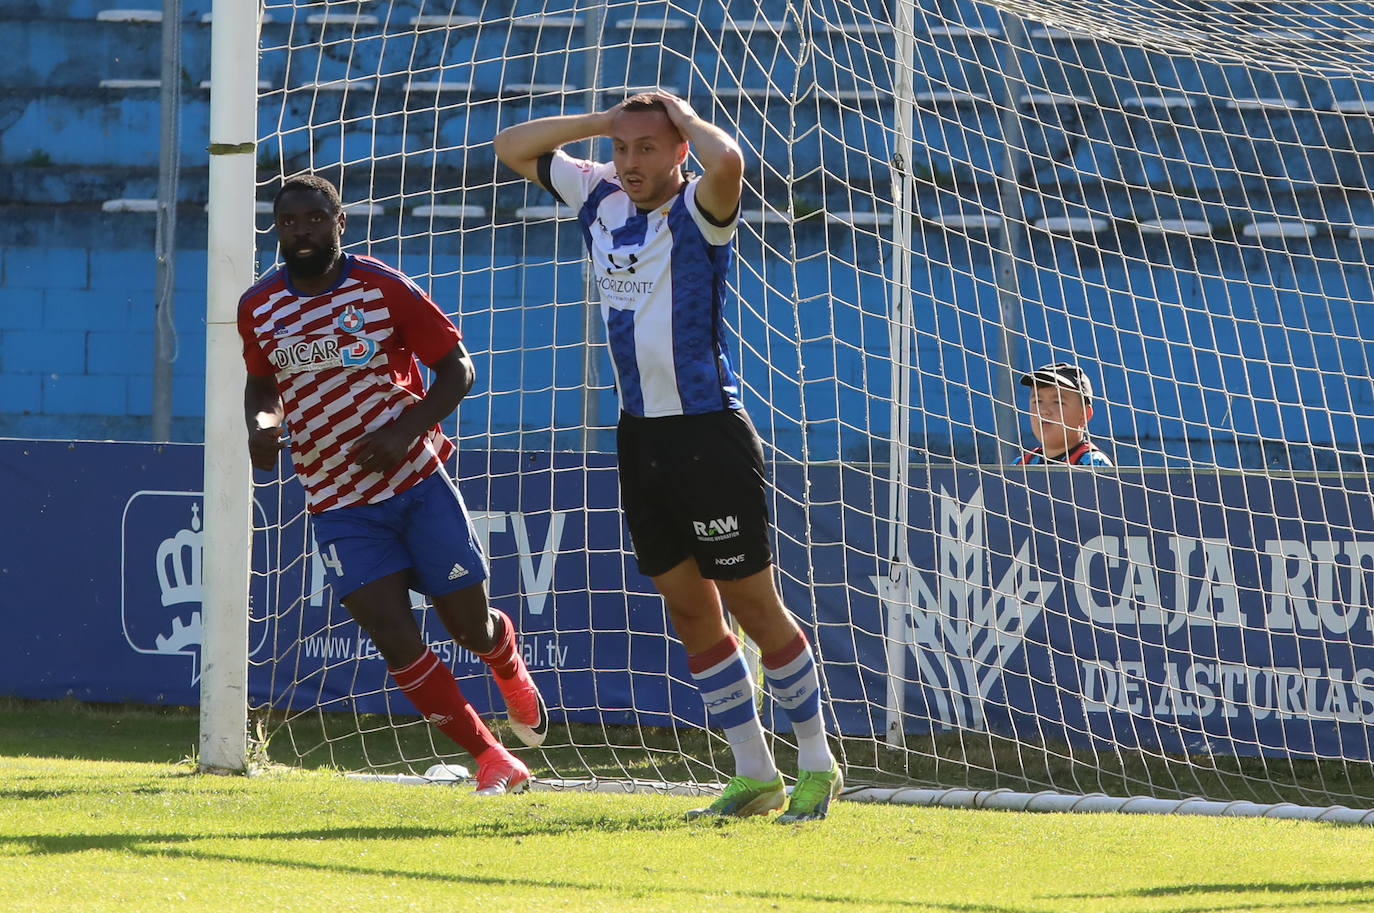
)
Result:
{"points": [[458, 571]]}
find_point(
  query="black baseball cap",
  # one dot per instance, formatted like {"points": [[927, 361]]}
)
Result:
{"points": [[1060, 374]]}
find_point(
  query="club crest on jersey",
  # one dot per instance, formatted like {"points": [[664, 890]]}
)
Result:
{"points": [[361, 351], [350, 321]]}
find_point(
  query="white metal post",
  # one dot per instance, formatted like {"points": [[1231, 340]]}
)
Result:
{"points": [[593, 424], [228, 491], [1011, 241], [902, 326], [168, 182]]}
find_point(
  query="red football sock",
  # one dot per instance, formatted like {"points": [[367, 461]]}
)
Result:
{"points": [[503, 657], [434, 691]]}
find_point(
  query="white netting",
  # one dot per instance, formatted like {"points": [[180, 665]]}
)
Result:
{"points": [[939, 196]]}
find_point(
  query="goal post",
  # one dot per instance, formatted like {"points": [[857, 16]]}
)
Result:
{"points": [[230, 270], [939, 196]]}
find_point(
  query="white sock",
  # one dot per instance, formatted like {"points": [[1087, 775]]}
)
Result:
{"points": [[752, 757], [795, 684], [723, 679]]}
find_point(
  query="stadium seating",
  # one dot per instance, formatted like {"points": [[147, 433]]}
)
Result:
{"points": [[1125, 152]]}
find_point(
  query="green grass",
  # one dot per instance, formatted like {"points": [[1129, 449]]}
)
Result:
{"points": [[100, 810]]}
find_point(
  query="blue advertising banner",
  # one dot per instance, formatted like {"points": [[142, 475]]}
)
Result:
{"points": [[78, 625], [592, 628], [102, 588], [101, 570], [1184, 612], [1176, 611]]}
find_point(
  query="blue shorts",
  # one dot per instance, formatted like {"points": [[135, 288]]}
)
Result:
{"points": [[424, 529]]}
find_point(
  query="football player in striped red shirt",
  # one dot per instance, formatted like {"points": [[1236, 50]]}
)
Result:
{"points": [[330, 340]]}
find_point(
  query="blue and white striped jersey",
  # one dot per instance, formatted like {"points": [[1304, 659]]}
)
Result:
{"points": [[661, 276]]}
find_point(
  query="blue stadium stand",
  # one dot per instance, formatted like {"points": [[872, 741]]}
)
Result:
{"points": [[80, 143]]}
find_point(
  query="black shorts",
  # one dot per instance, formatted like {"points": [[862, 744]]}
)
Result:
{"points": [[694, 486]]}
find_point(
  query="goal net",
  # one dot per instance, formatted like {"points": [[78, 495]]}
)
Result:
{"points": [[940, 196]]}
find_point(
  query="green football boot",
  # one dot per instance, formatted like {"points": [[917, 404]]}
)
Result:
{"points": [[812, 794], [742, 797]]}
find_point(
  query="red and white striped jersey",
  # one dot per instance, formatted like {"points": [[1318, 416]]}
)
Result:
{"points": [[344, 361]]}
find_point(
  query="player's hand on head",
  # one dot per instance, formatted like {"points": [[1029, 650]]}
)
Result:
{"points": [[608, 116], [679, 110], [263, 446]]}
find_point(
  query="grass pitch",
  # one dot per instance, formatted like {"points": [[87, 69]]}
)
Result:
{"points": [[100, 810]]}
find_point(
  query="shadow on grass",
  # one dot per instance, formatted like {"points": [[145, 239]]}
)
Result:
{"points": [[1220, 897], [503, 828], [1269, 887], [172, 845]]}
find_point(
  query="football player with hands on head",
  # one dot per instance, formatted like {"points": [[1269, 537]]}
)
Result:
{"points": [[1061, 404], [331, 341], [692, 480]]}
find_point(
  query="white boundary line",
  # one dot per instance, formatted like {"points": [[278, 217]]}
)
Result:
{"points": [[994, 799], [1049, 801]]}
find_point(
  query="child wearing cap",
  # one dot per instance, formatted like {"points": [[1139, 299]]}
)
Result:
{"points": [[1061, 403]]}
